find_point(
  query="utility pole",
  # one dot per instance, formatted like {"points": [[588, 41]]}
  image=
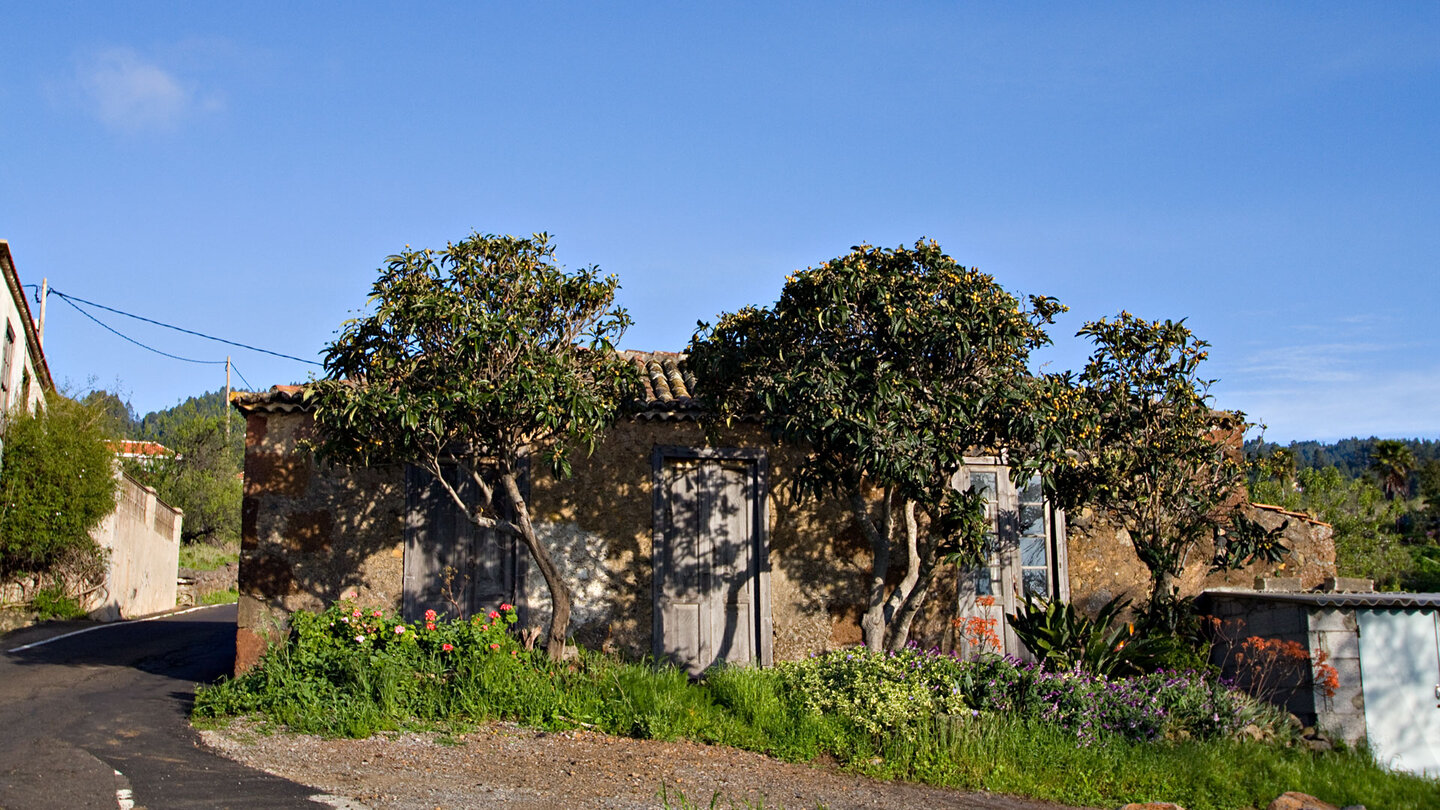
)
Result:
{"points": [[44, 296], [226, 404]]}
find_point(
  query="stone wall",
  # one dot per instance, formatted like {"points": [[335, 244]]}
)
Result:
{"points": [[309, 532], [1103, 563], [312, 533]]}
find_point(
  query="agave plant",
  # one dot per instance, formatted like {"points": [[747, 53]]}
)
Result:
{"points": [[1063, 638]]}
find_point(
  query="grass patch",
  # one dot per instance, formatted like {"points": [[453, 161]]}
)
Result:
{"points": [[218, 597], [207, 557], [992, 725]]}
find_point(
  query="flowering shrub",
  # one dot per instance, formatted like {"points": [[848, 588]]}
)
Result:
{"points": [[878, 691], [883, 692], [346, 629]]}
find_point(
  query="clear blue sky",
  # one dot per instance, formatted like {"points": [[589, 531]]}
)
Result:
{"points": [[1269, 171]]}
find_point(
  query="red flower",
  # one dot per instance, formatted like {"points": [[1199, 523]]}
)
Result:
{"points": [[430, 625], [494, 646], [447, 647], [430, 615], [506, 606], [494, 615]]}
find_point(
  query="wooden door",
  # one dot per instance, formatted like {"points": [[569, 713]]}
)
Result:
{"points": [[709, 562], [451, 565]]}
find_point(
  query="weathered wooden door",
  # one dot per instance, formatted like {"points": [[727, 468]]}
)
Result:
{"points": [[451, 565], [710, 560], [1025, 556]]}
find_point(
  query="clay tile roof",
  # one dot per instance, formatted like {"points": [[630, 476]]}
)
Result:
{"points": [[666, 391], [279, 399]]}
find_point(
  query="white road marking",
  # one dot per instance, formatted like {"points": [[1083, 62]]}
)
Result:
{"points": [[123, 795], [110, 624]]}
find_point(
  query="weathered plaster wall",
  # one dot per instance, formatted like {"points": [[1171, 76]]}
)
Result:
{"points": [[1103, 563], [310, 533], [604, 515], [143, 538]]}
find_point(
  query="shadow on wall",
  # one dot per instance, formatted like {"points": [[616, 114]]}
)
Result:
{"points": [[312, 532]]}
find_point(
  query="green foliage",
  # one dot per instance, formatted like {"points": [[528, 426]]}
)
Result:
{"points": [[1392, 461], [207, 557], [226, 597], [1141, 441], [202, 478], [1368, 541], [994, 724], [1063, 639], [478, 354], [54, 603], [56, 485], [889, 365], [1248, 542]]}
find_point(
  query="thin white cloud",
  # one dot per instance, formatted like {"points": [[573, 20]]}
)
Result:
{"points": [[130, 94]]}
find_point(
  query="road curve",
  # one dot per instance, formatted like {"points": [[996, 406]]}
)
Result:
{"points": [[99, 720]]}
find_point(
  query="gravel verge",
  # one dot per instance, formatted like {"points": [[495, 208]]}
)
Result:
{"points": [[508, 766]]}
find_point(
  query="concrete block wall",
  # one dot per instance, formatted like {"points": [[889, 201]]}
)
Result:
{"points": [[1336, 632]]}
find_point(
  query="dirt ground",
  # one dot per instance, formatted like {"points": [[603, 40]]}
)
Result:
{"points": [[507, 766]]}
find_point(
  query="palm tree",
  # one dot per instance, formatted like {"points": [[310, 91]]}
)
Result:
{"points": [[1392, 462]]}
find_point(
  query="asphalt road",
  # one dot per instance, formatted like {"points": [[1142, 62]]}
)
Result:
{"points": [[99, 718]]}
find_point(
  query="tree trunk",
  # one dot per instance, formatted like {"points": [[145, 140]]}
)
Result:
{"points": [[920, 577], [872, 624], [912, 565], [559, 591]]}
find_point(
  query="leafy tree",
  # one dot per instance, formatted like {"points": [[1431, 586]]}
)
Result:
{"points": [[202, 478], [117, 416], [57, 483], [478, 355], [203, 475], [1392, 461], [1143, 442], [889, 365], [1368, 542]]}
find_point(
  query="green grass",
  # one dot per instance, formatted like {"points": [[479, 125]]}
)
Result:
{"points": [[219, 597], [325, 682], [207, 557]]}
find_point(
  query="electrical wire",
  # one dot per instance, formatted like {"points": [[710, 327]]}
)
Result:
{"points": [[70, 299], [117, 333], [236, 369]]}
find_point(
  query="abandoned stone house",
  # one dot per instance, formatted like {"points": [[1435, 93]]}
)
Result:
{"points": [[678, 542]]}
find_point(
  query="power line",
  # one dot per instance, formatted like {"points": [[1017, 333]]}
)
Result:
{"points": [[70, 299], [119, 334], [241, 376]]}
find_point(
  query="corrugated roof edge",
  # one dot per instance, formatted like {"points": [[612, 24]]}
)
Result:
{"points": [[1351, 600]]}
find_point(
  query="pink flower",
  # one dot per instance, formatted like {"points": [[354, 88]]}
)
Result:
{"points": [[430, 625], [484, 627], [399, 628], [494, 646], [506, 606], [348, 595], [355, 613], [377, 613], [359, 639], [430, 615], [447, 647], [494, 615]]}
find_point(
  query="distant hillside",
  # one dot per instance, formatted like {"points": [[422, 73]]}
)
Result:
{"points": [[1350, 456]]}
